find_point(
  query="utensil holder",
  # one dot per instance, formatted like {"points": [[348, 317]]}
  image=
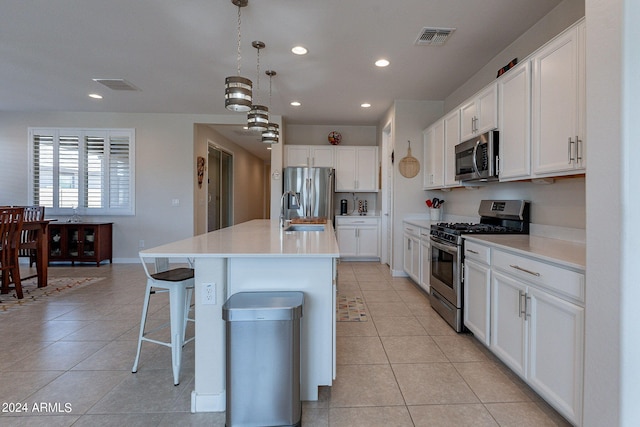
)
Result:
{"points": [[436, 214]]}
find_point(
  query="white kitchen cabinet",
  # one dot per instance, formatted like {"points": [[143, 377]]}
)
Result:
{"points": [[508, 329], [356, 169], [358, 237], [537, 327], [451, 139], [556, 351], [425, 260], [309, 155], [514, 90], [558, 102], [433, 160], [477, 291], [480, 114], [411, 251]]}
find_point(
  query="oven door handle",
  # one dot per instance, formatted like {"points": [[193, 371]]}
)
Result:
{"points": [[453, 250]]}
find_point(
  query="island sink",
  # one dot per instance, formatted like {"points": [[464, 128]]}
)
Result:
{"points": [[305, 227]]}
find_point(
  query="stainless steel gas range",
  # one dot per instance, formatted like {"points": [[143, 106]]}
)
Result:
{"points": [[496, 217]]}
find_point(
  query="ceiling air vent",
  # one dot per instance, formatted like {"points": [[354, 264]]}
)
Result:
{"points": [[430, 36], [116, 84]]}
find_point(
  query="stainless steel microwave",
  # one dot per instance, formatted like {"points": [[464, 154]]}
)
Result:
{"points": [[477, 158]]}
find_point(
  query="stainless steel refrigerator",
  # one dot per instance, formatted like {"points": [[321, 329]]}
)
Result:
{"points": [[314, 188]]}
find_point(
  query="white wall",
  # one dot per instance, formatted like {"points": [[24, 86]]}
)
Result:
{"points": [[165, 170], [317, 134], [248, 180], [612, 368], [408, 119]]}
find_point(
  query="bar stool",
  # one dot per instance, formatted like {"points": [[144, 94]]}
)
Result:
{"points": [[179, 283]]}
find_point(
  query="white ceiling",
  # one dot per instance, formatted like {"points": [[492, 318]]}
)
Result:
{"points": [[179, 52]]}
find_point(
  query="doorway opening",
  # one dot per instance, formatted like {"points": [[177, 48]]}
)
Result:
{"points": [[387, 197], [219, 188]]}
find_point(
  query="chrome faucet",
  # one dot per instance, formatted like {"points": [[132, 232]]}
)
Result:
{"points": [[294, 194]]}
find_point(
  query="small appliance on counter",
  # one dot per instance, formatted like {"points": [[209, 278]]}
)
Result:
{"points": [[343, 207]]}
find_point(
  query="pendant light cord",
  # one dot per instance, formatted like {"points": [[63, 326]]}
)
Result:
{"points": [[258, 78], [239, 23]]}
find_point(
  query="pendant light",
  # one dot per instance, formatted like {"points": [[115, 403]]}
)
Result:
{"points": [[237, 89], [258, 117], [272, 134]]}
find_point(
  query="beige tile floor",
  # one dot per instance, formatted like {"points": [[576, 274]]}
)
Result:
{"points": [[403, 367]]}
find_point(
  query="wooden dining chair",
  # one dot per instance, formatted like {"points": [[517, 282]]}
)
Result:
{"points": [[11, 220], [29, 238]]}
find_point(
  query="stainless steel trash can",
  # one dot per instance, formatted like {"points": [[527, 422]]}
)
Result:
{"points": [[263, 358]]}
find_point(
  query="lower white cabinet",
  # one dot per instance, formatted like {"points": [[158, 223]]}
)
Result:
{"points": [[411, 256], [477, 297], [539, 335], [358, 237], [425, 260]]}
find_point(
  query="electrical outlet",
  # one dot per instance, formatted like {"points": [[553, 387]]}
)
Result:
{"points": [[141, 244], [209, 293]]}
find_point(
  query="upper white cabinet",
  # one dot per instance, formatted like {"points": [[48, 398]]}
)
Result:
{"points": [[309, 155], [433, 140], [480, 114], [558, 104], [451, 139], [514, 89], [356, 168]]}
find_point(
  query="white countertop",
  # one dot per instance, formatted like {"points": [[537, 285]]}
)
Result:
{"points": [[256, 238], [423, 223], [569, 254]]}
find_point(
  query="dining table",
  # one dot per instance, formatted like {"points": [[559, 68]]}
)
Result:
{"points": [[40, 243]]}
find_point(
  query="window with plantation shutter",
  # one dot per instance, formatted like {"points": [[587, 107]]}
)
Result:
{"points": [[88, 170]]}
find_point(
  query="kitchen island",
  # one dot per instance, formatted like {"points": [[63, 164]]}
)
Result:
{"points": [[259, 256]]}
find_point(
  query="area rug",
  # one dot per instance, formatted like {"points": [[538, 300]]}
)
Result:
{"points": [[350, 309], [55, 287]]}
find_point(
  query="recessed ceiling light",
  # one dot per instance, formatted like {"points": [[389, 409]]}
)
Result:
{"points": [[296, 103], [95, 96], [382, 63], [365, 105], [299, 50]]}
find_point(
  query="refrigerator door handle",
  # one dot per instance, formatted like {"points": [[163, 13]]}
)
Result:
{"points": [[307, 203]]}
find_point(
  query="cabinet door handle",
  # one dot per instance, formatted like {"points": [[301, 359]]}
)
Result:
{"points": [[571, 159], [578, 154], [527, 308], [473, 252], [521, 310], [525, 270]]}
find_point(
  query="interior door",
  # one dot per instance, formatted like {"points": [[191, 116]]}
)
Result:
{"points": [[219, 188]]}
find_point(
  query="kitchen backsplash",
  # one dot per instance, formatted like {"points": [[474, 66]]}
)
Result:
{"points": [[561, 204]]}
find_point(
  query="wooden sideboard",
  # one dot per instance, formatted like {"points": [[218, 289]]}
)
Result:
{"points": [[80, 242]]}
